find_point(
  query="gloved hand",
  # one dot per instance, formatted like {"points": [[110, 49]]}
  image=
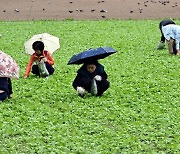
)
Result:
{"points": [[98, 78], [160, 46], [81, 91]]}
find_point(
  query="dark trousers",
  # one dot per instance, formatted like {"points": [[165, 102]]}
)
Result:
{"points": [[6, 86], [3, 96], [35, 69], [102, 85]]}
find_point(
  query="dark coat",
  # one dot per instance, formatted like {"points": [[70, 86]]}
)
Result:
{"points": [[84, 78], [5, 85]]}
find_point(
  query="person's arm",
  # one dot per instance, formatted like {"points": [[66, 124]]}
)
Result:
{"points": [[104, 75], [29, 65], [76, 81], [49, 59], [162, 38], [177, 47], [177, 44], [162, 35]]}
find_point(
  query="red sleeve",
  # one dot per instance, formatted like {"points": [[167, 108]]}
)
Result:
{"points": [[29, 65], [50, 60]]}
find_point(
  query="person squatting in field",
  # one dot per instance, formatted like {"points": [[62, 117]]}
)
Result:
{"points": [[91, 78], [42, 58], [161, 43]]}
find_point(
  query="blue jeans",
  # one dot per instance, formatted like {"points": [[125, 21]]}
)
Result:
{"points": [[3, 96]]}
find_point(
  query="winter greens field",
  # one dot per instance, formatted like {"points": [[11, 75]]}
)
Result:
{"points": [[139, 113]]}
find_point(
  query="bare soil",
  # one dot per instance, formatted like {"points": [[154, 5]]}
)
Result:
{"points": [[88, 9]]}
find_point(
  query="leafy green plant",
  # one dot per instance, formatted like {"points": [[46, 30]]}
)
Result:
{"points": [[139, 113]]}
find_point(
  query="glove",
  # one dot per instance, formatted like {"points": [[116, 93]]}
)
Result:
{"points": [[160, 46], [81, 91], [98, 78]]}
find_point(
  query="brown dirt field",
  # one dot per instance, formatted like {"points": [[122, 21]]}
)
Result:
{"points": [[88, 9]]}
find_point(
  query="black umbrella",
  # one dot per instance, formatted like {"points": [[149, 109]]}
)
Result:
{"points": [[95, 54]]}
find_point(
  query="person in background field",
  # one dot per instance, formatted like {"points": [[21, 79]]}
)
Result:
{"points": [[161, 43], [172, 35], [43, 61], [5, 88], [91, 78]]}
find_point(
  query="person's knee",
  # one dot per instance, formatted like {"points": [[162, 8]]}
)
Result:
{"points": [[51, 71], [35, 69], [102, 87], [49, 68]]}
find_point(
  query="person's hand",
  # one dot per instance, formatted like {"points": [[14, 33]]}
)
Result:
{"points": [[98, 78], [44, 59], [25, 76], [81, 90], [160, 46], [178, 52]]}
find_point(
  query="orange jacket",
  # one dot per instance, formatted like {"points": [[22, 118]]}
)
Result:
{"points": [[34, 58]]}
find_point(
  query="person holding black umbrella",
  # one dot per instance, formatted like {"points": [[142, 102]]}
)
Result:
{"points": [[161, 43], [91, 78]]}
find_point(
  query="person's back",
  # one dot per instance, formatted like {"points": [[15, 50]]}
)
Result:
{"points": [[171, 31], [172, 35], [162, 40], [165, 22]]}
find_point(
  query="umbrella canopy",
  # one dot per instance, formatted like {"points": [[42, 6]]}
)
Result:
{"points": [[8, 66], [98, 53], [51, 43]]}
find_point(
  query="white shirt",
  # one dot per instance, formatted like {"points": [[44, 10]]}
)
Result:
{"points": [[172, 32]]}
